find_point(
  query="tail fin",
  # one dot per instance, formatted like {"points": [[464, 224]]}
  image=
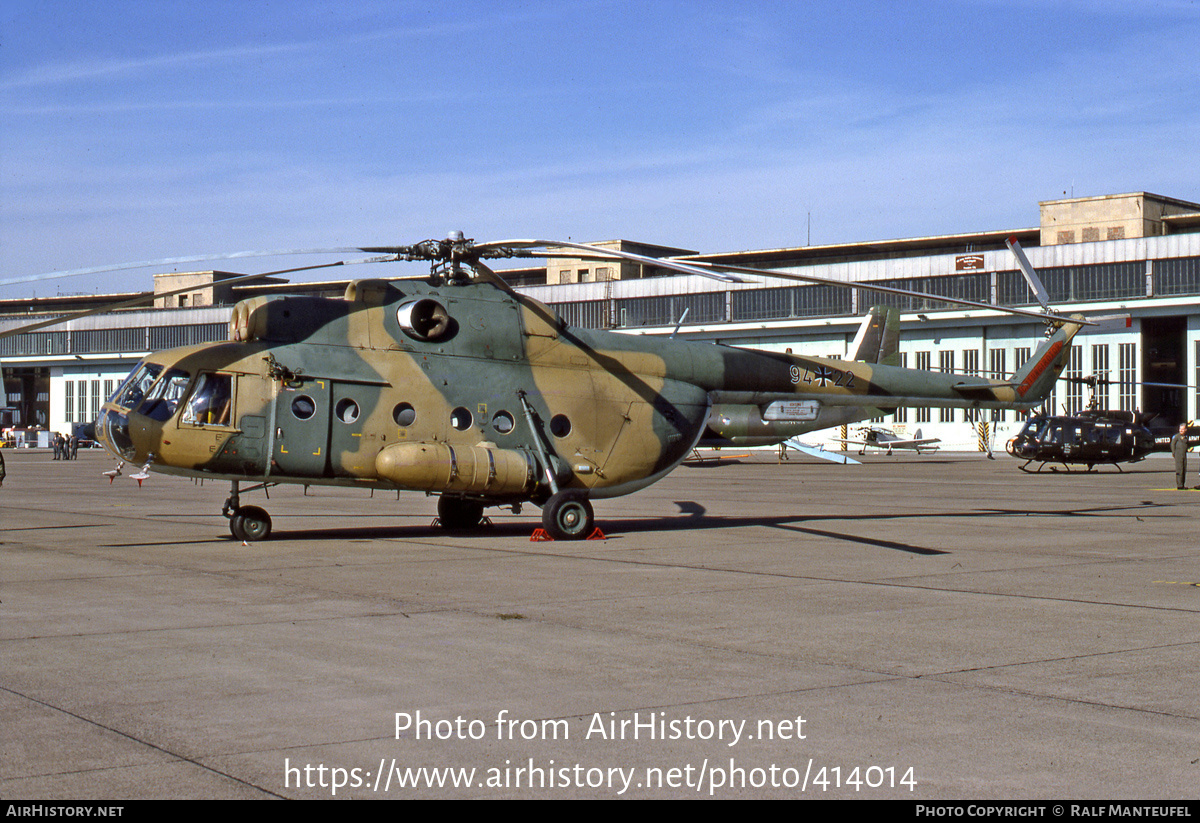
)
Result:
{"points": [[878, 338], [1036, 377]]}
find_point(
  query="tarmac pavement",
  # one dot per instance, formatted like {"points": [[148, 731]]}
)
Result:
{"points": [[919, 627]]}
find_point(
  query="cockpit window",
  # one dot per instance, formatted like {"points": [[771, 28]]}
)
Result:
{"points": [[133, 392], [1035, 428], [210, 402], [164, 396]]}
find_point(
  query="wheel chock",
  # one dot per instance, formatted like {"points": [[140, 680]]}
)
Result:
{"points": [[540, 534]]}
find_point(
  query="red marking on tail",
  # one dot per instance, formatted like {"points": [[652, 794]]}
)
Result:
{"points": [[1041, 367]]}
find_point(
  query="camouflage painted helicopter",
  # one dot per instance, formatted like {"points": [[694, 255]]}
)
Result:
{"points": [[461, 387]]}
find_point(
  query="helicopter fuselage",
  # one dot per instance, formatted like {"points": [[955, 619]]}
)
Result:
{"points": [[470, 390]]}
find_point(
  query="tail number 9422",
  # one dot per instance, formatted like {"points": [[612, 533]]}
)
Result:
{"points": [[822, 376]]}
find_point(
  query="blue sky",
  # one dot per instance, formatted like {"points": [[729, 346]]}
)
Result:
{"points": [[140, 130]]}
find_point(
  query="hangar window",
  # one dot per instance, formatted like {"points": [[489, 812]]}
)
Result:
{"points": [[1074, 375], [590, 314], [1177, 276], [1127, 353], [946, 366], [706, 307], [923, 363], [971, 366], [1067, 284], [900, 415], [795, 301], [999, 371]]}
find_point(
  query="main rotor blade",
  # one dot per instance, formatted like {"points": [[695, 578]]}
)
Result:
{"points": [[868, 286], [1096, 382], [612, 254], [149, 296], [171, 261], [714, 271]]}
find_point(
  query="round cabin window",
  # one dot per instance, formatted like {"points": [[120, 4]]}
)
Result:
{"points": [[503, 422], [560, 425], [303, 407], [404, 414], [460, 419], [346, 410]]}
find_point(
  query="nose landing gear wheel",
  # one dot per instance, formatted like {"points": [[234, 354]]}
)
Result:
{"points": [[250, 523], [568, 516]]}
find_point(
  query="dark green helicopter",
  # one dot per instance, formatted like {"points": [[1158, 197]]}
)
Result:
{"points": [[1094, 436], [1090, 438]]}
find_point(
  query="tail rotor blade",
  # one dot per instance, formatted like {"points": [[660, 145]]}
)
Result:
{"points": [[1031, 276]]}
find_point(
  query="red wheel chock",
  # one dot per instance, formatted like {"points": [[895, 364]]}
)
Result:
{"points": [[540, 534]]}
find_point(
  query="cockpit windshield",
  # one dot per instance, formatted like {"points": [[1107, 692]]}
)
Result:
{"points": [[163, 398], [1035, 427], [133, 390], [210, 402]]}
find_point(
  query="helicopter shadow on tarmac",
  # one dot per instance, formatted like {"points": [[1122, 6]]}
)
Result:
{"points": [[692, 517], [615, 530]]}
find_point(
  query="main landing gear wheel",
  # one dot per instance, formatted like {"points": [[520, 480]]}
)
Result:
{"points": [[250, 523], [459, 513], [568, 516]]}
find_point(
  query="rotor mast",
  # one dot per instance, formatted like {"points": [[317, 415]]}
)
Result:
{"points": [[449, 258]]}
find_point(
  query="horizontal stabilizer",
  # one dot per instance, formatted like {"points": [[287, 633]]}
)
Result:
{"points": [[820, 453]]}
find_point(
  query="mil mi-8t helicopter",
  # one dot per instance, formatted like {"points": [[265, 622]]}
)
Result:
{"points": [[461, 387]]}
